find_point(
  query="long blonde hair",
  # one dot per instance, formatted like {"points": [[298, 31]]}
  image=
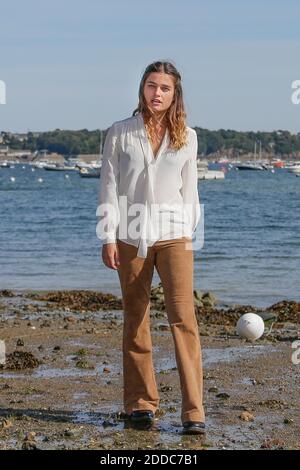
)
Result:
{"points": [[175, 115]]}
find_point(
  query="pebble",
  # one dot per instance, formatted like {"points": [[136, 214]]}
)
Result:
{"points": [[6, 423], [223, 395], [246, 416]]}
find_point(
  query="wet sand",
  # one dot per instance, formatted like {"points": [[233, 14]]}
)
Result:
{"points": [[61, 386]]}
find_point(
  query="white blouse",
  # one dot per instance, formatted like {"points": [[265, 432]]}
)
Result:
{"points": [[142, 198]]}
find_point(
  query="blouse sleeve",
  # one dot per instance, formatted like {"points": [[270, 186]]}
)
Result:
{"points": [[108, 208], [189, 188]]}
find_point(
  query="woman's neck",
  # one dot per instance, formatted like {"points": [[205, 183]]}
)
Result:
{"points": [[158, 120]]}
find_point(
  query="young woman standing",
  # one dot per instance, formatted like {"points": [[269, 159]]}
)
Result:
{"points": [[150, 161]]}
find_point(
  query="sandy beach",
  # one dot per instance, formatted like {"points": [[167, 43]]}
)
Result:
{"points": [[61, 384]]}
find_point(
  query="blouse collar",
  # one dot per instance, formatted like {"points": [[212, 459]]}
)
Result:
{"points": [[146, 145]]}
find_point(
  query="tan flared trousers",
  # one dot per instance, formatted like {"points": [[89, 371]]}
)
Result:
{"points": [[175, 267]]}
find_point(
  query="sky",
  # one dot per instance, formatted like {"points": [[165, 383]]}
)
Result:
{"points": [[74, 64]]}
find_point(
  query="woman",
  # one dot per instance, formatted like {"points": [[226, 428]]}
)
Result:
{"points": [[150, 162]]}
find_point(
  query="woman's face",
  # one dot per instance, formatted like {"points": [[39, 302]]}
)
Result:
{"points": [[159, 91]]}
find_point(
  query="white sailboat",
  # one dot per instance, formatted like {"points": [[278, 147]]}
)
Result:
{"points": [[205, 174], [93, 169], [251, 165], [295, 168]]}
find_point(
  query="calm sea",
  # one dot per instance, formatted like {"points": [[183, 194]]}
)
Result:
{"points": [[251, 252]]}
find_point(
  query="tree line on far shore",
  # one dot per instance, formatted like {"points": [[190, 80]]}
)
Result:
{"points": [[68, 142]]}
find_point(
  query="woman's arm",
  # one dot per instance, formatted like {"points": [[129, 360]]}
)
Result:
{"points": [[189, 188], [108, 208]]}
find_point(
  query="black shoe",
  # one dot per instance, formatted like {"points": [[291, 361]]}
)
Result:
{"points": [[142, 416], [193, 427]]}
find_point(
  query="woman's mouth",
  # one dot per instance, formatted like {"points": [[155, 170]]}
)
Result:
{"points": [[156, 102]]}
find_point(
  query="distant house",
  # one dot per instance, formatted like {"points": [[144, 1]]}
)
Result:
{"points": [[44, 155]]}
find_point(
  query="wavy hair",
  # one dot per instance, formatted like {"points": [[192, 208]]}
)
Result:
{"points": [[175, 114]]}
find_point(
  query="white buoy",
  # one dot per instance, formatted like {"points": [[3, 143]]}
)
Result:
{"points": [[250, 326], [32, 169], [12, 178], [23, 167], [66, 176], [40, 180]]}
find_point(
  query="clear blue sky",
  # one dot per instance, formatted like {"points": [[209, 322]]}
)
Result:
{"points": [[74, 64]]}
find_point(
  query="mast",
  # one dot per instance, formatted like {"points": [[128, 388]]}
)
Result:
{"points": [[260, 150], [100, 144]]}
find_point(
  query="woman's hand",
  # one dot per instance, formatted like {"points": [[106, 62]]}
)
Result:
{"points": [[110, 255]]}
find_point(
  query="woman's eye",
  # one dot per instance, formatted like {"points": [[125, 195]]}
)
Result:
{"points": [[163, 89]]}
